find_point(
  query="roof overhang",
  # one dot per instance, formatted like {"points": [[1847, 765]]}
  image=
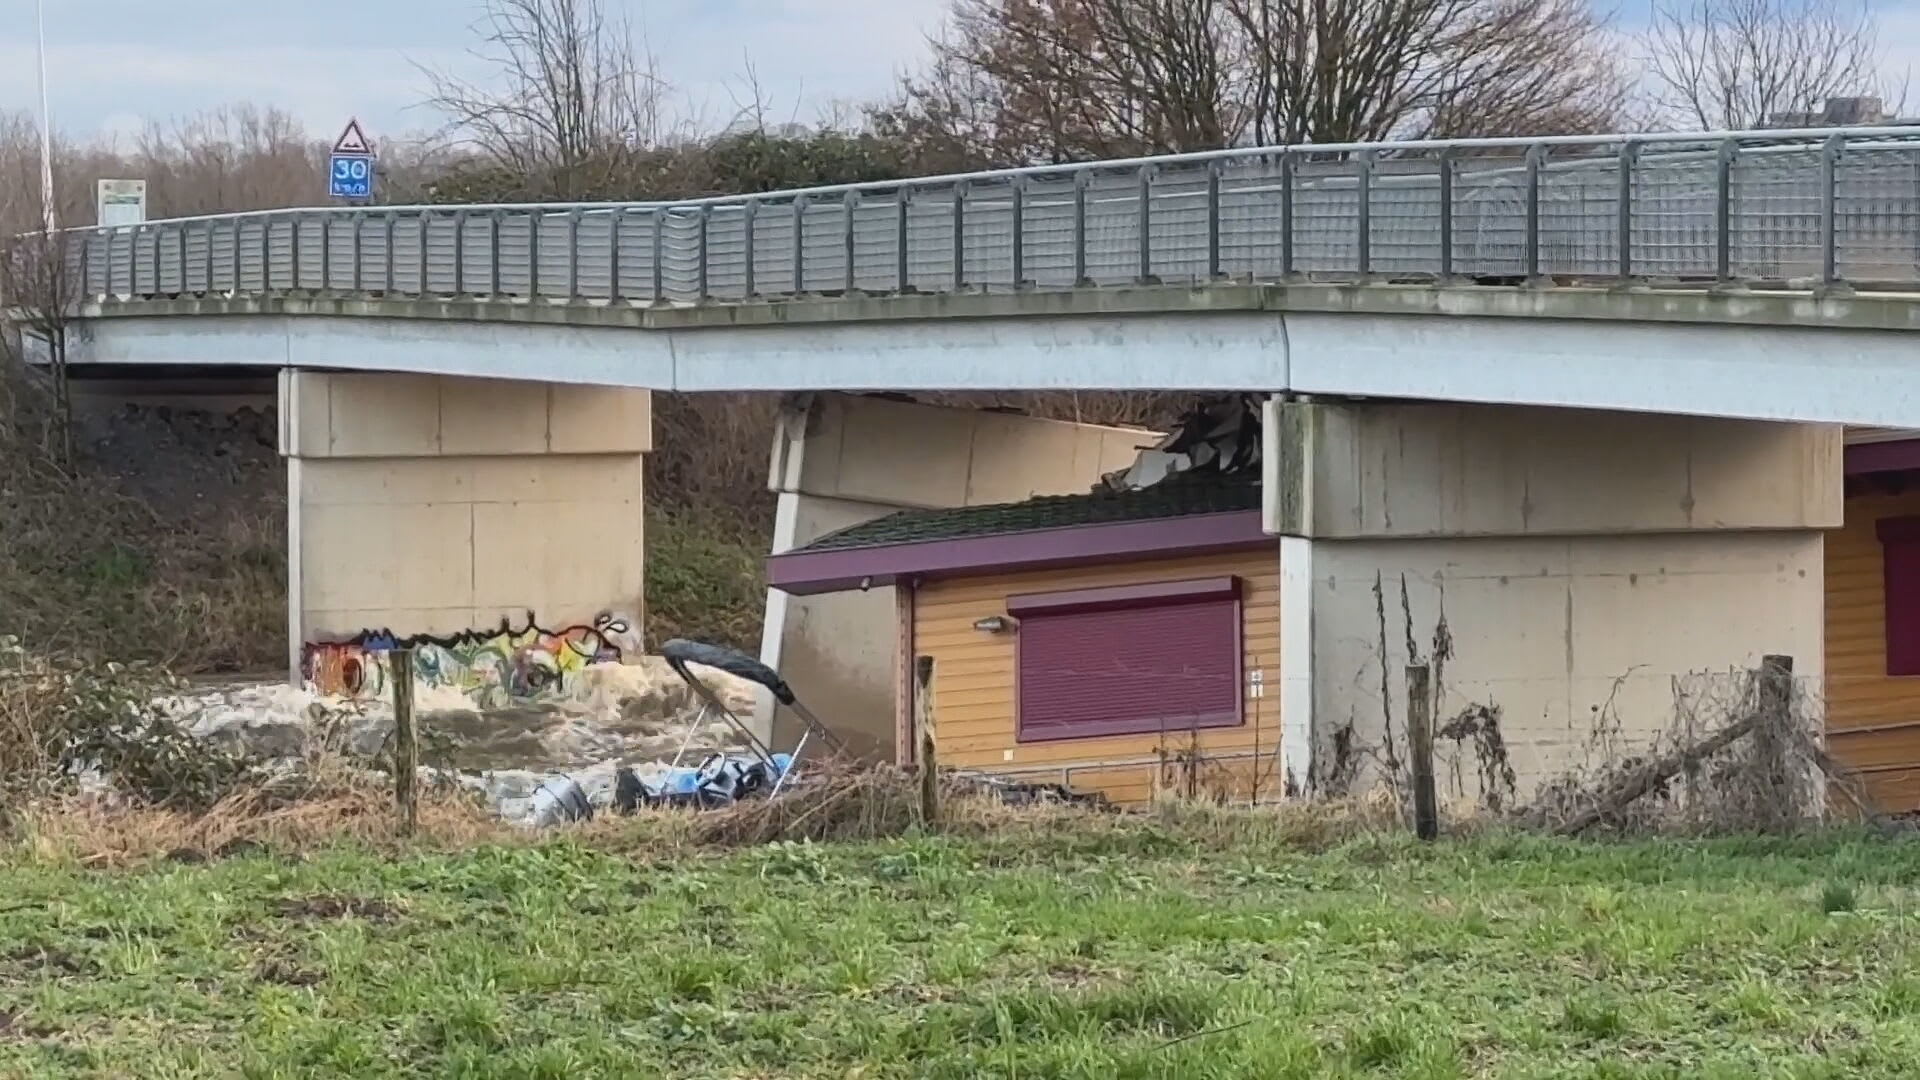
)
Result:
{"points": [[807, 573], [1882, 455]]}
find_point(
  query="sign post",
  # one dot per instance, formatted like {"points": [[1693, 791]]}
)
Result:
{"points": [[350, 165]]}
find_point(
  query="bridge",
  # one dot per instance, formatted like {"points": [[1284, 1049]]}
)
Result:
{"points": [[1474, 270], [1581, 391]]}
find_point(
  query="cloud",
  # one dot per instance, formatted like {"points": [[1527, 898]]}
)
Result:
{"points": [[806, 56], [1900, 36], [94, 88]]}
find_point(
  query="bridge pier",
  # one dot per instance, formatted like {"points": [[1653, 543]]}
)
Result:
{"points": [[1580, 582], [442, 507]]}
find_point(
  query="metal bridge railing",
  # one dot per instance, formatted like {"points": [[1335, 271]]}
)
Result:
{"points": [[1811, 208]]}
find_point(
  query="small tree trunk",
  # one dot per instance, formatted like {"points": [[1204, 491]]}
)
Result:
{"points": [[62, 396], [923, 720], [406, 742]]}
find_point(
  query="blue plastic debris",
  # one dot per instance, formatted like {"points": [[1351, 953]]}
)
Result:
{"points": [[720, 780]]}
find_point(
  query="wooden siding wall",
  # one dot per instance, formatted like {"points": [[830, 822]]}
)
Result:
{"points": [[1873, 721], [973, 689]]}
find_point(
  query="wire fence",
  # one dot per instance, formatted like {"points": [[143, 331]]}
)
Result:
{"points": [[1808, 208]]}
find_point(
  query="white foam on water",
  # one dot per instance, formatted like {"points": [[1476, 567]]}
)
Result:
{"points": [[636, 713]]}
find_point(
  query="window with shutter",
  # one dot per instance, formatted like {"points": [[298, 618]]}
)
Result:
{"points": [[1900, 564], [1128, 660]]}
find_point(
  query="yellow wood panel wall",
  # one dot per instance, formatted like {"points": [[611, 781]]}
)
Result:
{"points": [[1873, 721], [973, 689]]}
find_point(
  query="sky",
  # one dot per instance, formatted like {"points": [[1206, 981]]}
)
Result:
{"points": [[115, 64]]}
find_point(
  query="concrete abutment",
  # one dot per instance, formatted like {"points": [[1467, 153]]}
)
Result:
{"points": [[1580, 582], [446, 508]]}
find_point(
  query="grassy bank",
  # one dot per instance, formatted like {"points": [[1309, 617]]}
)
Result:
{"points": [[705, 576], [1137, 951], [164, 540], [157, 541]]}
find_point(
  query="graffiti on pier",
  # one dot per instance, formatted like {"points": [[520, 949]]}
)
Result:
{"points": [[495, 667]]}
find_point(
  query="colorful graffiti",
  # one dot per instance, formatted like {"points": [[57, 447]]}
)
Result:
{"points": [[494, 667]]}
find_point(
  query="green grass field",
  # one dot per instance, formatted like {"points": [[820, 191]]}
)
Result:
{"points": [[1139, 951]]}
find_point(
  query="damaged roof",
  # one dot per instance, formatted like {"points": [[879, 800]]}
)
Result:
{"points": [[1183, 515], [1197, 491], [1178, 496]]}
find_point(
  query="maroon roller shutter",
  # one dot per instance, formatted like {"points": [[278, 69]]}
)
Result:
{"points": [[1900, 565], [1128, 660]]}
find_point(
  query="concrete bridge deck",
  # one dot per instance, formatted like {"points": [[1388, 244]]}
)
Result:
{"points": [[1759, 355]]}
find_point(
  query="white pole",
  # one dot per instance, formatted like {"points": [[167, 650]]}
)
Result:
{"points": [[47, 208]]}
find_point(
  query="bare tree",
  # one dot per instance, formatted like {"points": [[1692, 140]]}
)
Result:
{"points": [[1056, 80], [955, 116], [237, 158], [1728, 64], [567, 100], [1152, 75], [1366, 70], [39, 291], [1059, 80]]}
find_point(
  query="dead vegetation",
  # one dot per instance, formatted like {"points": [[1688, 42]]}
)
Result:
{"points": [[1741, 755], [63, 720], [836, 804], [1713, 792], [103, 833]]}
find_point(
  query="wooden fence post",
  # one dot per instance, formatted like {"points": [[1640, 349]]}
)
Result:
{"points": [[1426, 811], [1771, 734], [923, 720], [406, 741]]}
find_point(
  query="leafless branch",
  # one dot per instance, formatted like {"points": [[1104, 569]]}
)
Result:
{"points": [[236, 158], [565, 99], [1722, 64], [38, 292], [1056, 80]]}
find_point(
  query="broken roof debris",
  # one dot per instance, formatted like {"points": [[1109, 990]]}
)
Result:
{"points": [[1220, 435]]}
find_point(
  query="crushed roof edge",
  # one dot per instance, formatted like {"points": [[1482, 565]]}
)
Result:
{"points": [[803, 572], [1208, 495]]}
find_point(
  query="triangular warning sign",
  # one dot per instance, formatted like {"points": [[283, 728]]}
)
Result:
{"points": [[352, 140]]}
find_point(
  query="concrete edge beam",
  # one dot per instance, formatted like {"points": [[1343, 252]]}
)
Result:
{"points": [[1876, 311]]}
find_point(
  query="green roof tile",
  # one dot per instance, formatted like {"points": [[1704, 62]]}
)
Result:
{"points": [[1178, 496]]}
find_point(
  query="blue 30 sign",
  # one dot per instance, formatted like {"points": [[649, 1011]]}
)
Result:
{"points": [[350, 176]]}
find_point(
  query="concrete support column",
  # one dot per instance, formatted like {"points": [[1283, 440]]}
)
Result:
{"points": [[436, 505], [839, 460], [1579, 583]]}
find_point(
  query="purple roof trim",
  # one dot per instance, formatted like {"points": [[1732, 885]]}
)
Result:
{"points": [[1123, 596], [804, 573], [1894, 455]]}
